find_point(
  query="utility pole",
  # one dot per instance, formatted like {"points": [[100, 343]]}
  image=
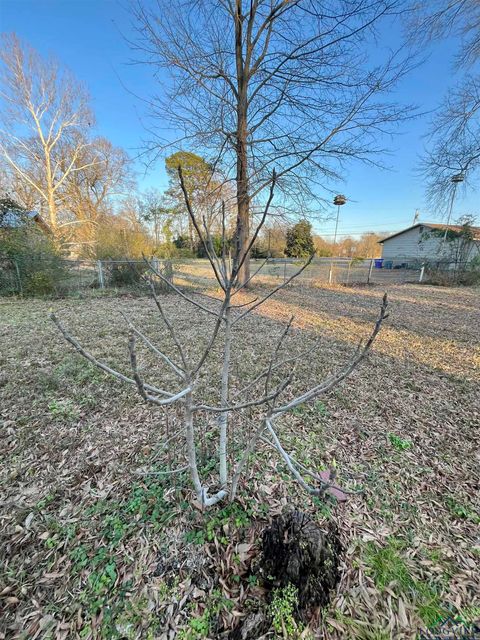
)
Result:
{"points": [[416, 217], [455, 180], [339, 201]]}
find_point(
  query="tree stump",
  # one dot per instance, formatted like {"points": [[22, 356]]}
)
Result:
{"points": [[297, 551]]}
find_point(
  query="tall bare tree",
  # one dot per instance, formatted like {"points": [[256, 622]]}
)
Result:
{"points": [[454, 140], [263, 84], [44, 114], [101, 174]]}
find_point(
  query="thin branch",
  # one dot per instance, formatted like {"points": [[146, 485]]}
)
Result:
{"points": [[177, 290], [170, 328], [242, 286], [252, 403], [333, 381], [133, 362], [325, 483], [88, 356], [293, 470], [140, 384], [153, 348], [280, 286], [211, 258]]}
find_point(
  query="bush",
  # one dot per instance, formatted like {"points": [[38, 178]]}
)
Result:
{"points": [[299, 240], [40, 283], [445, 278], [126, 274], [31, 264]]}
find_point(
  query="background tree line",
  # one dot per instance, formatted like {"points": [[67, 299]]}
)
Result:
{"points": [[298, 241]]}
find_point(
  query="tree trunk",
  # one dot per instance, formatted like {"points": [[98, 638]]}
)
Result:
{"points": [[191, 233], [52, 213], [243, 200], [223, 417]]}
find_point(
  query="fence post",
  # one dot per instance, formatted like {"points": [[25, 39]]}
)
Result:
{"points": [[348, 271], [284, 270], [422, 272], [101, 281], [370, 271], [17, 270]]}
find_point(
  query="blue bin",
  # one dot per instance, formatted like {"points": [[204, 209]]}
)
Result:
{"points": [[379, 263]]}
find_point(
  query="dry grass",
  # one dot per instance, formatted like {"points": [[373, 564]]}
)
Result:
{"points": [[92, 550]]}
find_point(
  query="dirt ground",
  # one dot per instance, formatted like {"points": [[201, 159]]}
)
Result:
{"points": [[91, 547]]}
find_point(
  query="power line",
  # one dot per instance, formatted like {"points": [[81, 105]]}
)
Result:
{"points": [[393, 223]]}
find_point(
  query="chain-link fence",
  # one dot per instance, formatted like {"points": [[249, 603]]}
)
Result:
{"points": [[343, 271], [50, 276], [44, 276]]}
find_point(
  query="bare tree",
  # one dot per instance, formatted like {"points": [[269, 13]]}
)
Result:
{"points": [[101, 173], [258, 84], [436, 19], [44, 113], [454, 137], [265, 392]]}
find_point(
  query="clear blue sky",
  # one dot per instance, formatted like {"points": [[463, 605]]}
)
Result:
{"points": [[88, 36]]}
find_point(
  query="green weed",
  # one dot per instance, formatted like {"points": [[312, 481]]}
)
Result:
{"points": [[233, 515], [201, 626], [282, 609], [462, 511], [398, 443], [64, 410]]}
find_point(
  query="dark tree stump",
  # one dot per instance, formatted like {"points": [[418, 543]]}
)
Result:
{"points": [[297, 551]]}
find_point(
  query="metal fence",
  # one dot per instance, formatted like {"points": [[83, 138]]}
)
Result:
{"points": [[50, 276], [343, 271], [37, 276]]}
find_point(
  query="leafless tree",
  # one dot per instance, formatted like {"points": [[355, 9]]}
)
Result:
{"points": [[454, 143], [454, 140], [44, 113], [257, 84], [436, 19], [265, 392], [102, 173]]}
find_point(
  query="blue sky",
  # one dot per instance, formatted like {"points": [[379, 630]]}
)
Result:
{"points": [[88, 36]]}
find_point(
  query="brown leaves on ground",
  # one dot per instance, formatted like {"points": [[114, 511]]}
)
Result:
{"points": [[91, 549]]}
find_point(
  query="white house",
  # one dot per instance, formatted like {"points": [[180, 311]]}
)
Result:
{"points": [[426, 242]]}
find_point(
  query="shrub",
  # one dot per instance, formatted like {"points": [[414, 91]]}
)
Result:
{"points": [[31, 263], [126, 274], [39, 283]]}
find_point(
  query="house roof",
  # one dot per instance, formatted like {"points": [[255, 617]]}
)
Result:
{"points": [[14, 219], [434, 225]]}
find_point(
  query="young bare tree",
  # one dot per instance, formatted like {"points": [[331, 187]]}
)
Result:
{"points": [[266, 392], [257, 84], [44, 113]]}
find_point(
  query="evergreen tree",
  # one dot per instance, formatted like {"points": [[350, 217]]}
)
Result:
{"points": [[299, 240]]}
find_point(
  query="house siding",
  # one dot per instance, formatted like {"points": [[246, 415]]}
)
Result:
{"points": [[405, 245], [420, 244]]}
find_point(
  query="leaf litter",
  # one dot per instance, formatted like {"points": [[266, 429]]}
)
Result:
{"points": [[91, 548]]}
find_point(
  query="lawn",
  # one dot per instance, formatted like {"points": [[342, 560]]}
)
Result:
{"points": [[95, 545]]}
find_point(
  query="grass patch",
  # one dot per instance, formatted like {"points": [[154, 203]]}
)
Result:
{"points": [[400, 444], [388, 569]]}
